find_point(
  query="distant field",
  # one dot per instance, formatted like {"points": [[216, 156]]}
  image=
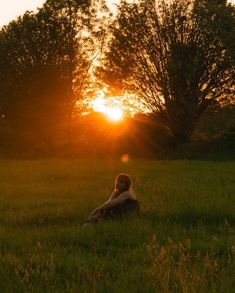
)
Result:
{"points": [[184, 240]]}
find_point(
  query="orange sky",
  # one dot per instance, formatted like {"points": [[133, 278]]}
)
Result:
{"points": [[10, 9]]}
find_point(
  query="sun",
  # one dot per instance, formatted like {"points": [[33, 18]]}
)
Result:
{"points": [[114, 114], [112, 111]]}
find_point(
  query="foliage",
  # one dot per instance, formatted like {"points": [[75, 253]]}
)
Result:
{"points": [[44, 60], [94, 135], [183, 241], [176, 56]]}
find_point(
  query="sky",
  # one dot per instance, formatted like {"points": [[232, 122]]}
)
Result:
{"points": [[10, 9]]}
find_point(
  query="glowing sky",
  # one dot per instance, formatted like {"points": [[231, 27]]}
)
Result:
{"points": [[10, 9]]}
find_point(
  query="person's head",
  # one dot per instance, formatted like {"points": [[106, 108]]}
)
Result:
{"points": [[123, 183]]}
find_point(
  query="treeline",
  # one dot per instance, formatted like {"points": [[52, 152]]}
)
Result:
{"points": [[94, 135], [178, 58], [44, 62]]}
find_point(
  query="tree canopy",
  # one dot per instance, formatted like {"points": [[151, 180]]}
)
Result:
{"points": [[176, 56], [44, 62]]}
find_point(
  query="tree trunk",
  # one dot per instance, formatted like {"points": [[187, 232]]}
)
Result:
{"points": [[182, 127]]}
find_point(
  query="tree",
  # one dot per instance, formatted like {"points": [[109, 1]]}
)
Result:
{"points": [[44, 63], [174, 56]]}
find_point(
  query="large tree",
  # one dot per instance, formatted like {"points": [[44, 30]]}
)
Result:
{"points": [[44, 62], [175, 55]]}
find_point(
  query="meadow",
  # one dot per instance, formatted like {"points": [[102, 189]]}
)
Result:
{"points": [[183, 241]]}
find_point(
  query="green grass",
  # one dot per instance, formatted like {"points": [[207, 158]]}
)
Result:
{"points": [[183, 241]]}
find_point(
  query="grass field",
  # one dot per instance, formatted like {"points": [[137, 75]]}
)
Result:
{"points": [[184, 240]]}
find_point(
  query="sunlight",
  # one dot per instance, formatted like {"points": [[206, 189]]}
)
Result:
{"points": [[98, 105], [111, 110], [115, 113], [114, 107], [10, 9]]}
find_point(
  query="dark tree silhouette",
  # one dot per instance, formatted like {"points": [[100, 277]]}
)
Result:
{"points": [[176, 56], [44, 63]]}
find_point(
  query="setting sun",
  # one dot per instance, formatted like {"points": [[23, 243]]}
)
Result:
{"points": [[113, 112]]}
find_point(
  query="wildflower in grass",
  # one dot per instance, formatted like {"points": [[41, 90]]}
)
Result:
{"points": [[176, 268]]}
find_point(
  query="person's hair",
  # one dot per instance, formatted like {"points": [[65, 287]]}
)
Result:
{"points": [[127, 180]]}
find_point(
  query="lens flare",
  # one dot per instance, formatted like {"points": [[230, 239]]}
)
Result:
{"points": [[125, 158]]}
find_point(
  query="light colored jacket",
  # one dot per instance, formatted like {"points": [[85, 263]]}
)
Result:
{"points": [[115, 200]]}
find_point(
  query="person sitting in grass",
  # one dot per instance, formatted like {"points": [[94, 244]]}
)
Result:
{"points": [[121, 203]]}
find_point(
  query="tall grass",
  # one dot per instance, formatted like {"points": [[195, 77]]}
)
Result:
{"points": [[183, 241]]}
